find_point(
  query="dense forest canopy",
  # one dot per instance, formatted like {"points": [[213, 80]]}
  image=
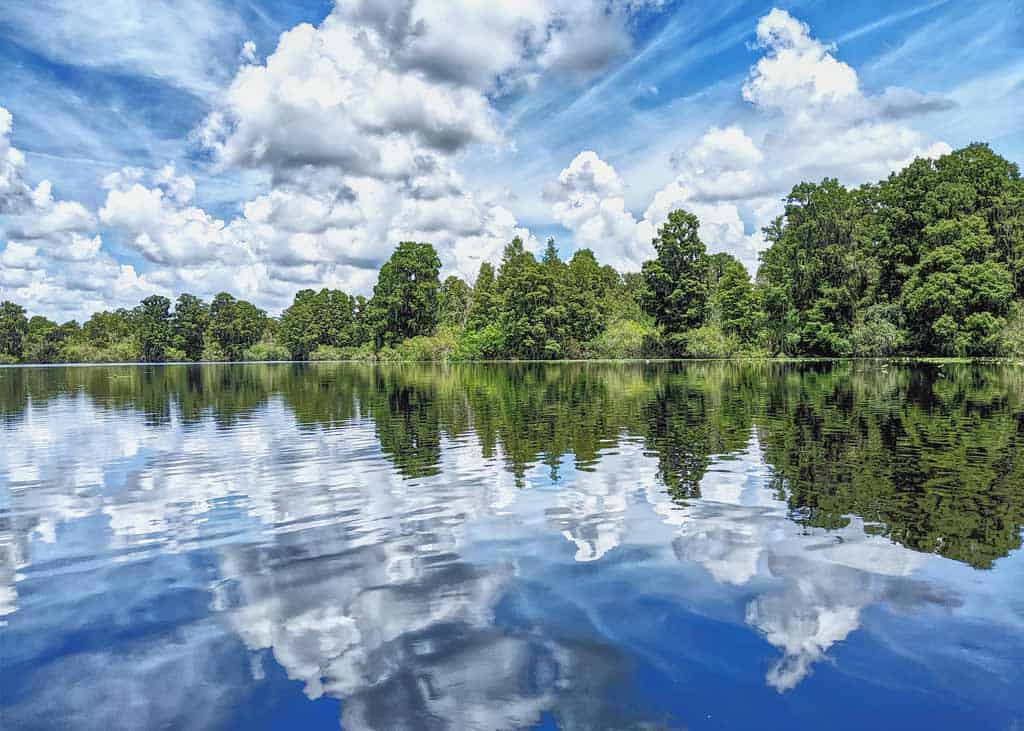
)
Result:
{"points": [[927, 262]]}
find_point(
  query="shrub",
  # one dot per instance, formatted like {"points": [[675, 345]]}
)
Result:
{"points": [[123, 351], [984, 334], [487, 342], [877, 334], [387, 354], [437, 347], [329, 352], [266, 350], [710, 342], [1013, 333], [212, 352], [622, 339]]}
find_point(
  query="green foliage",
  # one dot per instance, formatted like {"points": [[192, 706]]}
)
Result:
{"points": [[330, 352], [482, 344], [957, 297], [877, 332], [13, 330], [486, 302], [529, 311], [585, 293], [175, 355], [266, 349], [362, 332], [152, 323], [622, 339], [437, 348], [927, 261], [733, 305], [317, 318], [1013, 333], [454, 300], [710, 341], [104, 329], [125, 350], [212, 351], [46, 340], [234, 326], [189, 324], [387, 354], [622, 300], [404, 302], [813, 272], [676, 282]]}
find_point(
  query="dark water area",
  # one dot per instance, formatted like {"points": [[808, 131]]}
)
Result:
{"points": [[572, 546]]}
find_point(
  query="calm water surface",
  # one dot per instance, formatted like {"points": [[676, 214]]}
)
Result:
{"points": [[702, 545]]}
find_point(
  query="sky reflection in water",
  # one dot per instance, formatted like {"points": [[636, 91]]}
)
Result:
{"points": [[567, 546]]}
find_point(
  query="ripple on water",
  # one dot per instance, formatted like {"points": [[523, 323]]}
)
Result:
{"points": [[504, 546]]}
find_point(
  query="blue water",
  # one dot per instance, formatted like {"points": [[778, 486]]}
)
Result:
{"points": [[490, 547]]}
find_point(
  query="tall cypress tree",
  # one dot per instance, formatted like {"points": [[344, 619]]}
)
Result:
{"points": [[676, 283]]}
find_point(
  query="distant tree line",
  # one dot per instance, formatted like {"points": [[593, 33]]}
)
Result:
{"points": [[929, 261]]}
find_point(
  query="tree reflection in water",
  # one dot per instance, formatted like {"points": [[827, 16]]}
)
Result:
{"points": [[371, 528]]}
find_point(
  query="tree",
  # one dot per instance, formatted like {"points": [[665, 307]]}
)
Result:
{"points": [[317, 318], [676, 288], [404, 302], [45, 339], [928, 261], [586, 288], [153, 327], [732, 298], [13, 329], [105, 329], [485, 306], [814, 272], [191, 318], [454, 301], [300, 330], [957, 297], [362, 332], [524, 285], [1007, 218], [622, 299], [235, 324], [555, 312]]}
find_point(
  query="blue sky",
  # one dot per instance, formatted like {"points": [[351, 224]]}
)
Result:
{"points": [[188, 145]]}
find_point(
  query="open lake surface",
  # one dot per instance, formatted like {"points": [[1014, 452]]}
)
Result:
{"points": [[574, 546]]}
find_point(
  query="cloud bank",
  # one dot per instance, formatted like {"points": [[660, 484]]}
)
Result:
{"points": [[358, 127]]}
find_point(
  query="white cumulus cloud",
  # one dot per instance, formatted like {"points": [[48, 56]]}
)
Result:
{"points": [[814, 121]]}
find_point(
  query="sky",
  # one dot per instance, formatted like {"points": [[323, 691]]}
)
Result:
{"points": [[259, 147]]}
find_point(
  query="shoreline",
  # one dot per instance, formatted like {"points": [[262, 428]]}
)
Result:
{"points": [[897, 360]]}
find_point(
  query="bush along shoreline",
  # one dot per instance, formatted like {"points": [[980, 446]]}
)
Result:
{"points": [[928, 262]]}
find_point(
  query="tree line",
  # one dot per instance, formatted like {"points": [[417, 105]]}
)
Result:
{"points": [[929, 261]]}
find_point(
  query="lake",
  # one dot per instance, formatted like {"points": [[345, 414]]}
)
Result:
{"points": [[574, 546]]}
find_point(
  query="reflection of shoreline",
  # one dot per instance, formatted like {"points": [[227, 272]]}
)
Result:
{"points": [[843, 438], [338, 523]]}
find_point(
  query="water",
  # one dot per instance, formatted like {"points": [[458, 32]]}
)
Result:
{"points": [[701, 545]]}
